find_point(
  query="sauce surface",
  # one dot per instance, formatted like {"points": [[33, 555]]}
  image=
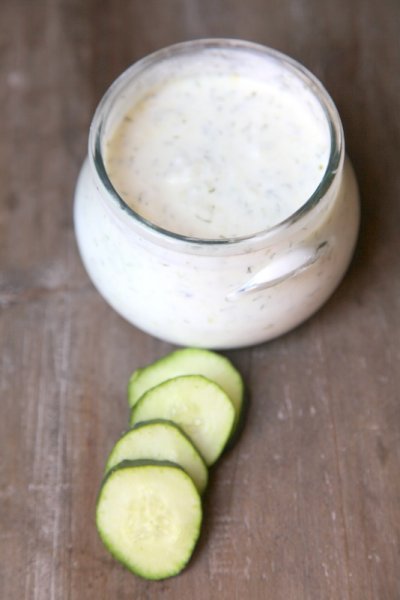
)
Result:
{"points": [[213, 155]]}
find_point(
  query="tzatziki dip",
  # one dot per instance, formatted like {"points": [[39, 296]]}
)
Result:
{"points": [[216, 208]]}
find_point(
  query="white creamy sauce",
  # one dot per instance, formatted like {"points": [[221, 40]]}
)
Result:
{"points": [[218, 155], [214, 144]]}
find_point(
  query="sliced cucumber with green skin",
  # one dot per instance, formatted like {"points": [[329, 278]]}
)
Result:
{"points": [[149, 517], [189, 361], [160, 440], [197, 405]]}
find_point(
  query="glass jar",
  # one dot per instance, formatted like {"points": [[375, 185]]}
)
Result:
{"points": [[215, 293]]}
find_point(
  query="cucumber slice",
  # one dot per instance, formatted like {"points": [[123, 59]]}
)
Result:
{"points": [[149, 516], [189, 361], [160, 440], [197, 405]]}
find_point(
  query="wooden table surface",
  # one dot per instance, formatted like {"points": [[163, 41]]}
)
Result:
{"points": [[307, 504]]}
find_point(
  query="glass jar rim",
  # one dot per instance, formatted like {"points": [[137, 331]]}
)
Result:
{"points": [[335, 160]]}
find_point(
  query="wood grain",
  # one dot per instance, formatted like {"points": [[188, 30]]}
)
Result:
{"points": [[307, 505]]}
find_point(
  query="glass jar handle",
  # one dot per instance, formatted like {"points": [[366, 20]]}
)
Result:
{"points": [[286, 266]]}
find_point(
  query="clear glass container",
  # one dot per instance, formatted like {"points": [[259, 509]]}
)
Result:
{"points": [[214, 293]]}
